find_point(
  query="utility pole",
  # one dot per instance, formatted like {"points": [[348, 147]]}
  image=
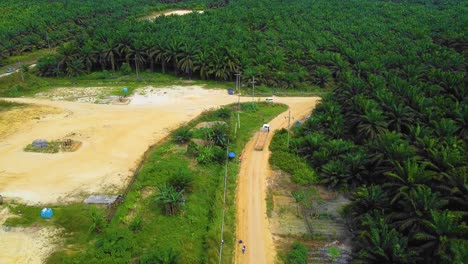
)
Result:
{"points": [[47, 38], [238, 84], [253, 91], [20, 69], [289, 124]]}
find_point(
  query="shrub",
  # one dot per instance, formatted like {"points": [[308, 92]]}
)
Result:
{"points": [[304, 176], [47, 65], [125, 69], [136, 224], [219, 135], [219, 154], [182, 180], [205, 155], [182, 135], [223, 113], [298, 255], [160, 257], [117, 242], [192, 149]]}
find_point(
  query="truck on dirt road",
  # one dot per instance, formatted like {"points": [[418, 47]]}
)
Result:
{"points": [[262, 137]]}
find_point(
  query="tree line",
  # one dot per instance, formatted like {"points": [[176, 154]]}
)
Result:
{"points": [[284, 45]]}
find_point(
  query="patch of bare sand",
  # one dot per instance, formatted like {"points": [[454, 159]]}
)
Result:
{"points": [[20, 117], [168, 13], [25, 245], [114, 137]]}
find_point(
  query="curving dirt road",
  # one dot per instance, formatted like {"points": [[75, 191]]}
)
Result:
{"points": [[252, 222]]}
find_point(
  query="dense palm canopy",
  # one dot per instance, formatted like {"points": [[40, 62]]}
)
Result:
{"points": [[400, 106]]}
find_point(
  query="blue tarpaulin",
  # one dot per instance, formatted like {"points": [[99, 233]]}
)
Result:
{"points": [[47, 213]]}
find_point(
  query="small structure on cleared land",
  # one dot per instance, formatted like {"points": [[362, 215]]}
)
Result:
{"points": [[121, 100], [40, 143], [102, 199], [54, 146], [209, 124]]}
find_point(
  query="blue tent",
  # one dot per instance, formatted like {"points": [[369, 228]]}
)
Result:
{"points": [[231, 155]]}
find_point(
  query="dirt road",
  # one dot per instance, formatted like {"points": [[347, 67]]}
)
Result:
{"points": [[252, 222]]}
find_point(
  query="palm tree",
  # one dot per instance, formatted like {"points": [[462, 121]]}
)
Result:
{"points": [[407, 177], [137, 53], [172, 53], [110, 54], [372, 124], [415, 208], [367, 199], [434, 241], [170, 198], [187, 58], [75, 67], [219, 135], [88, 55], [158, 52], [67, 53], [202, 64], [381, 244]]}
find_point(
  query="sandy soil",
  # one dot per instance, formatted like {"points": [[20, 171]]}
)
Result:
{"points": [[252, 222], [174, 12], [25, 245], [18, 117], [114, 138]]}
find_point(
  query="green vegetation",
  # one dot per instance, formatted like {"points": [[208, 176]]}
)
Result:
{"points": [[392, 133], [6, 105], [394, 136], [53, 146], [281, 158], [28, 26], [305, 44], [174, 208], [297, 255]]}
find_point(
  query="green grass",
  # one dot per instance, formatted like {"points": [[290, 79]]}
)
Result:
{"points": [[13, 86], [6, 105]]}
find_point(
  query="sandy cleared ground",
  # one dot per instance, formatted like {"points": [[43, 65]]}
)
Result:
{"points": [[19, 117], [114, 138], [174, 12], [252, 222], [25, 245]]}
